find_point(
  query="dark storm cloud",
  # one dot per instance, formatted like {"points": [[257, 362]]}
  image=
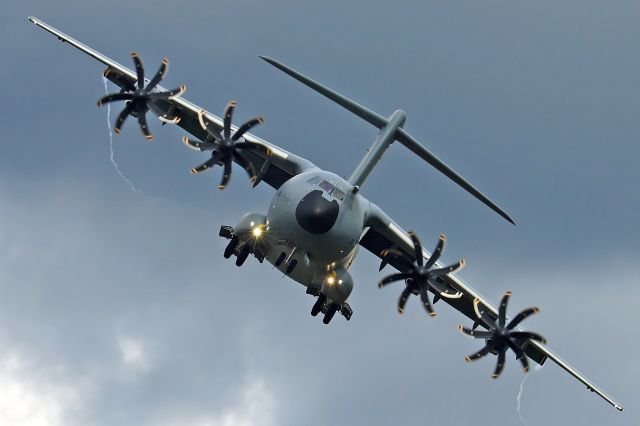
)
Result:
{"points": [[122, 310]]}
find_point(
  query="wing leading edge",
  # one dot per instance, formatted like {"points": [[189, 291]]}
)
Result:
{"points": [[385, 234], [274, 169]]}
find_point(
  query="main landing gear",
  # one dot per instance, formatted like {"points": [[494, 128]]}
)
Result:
{"points": [[240, 249], [291, 263], [328, 308]]}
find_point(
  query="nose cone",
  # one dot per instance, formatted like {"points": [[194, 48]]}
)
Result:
{"points": [[315, 214]]}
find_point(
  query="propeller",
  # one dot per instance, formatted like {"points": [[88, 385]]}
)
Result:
{"points": [[502, 336], [420, 278], [226, 147], [138, 98]]}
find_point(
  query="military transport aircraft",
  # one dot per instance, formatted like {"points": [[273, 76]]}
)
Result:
{"points": [[317, 220]]}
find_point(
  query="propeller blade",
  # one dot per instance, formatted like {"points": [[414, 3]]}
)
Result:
{"points": [[417, 247], [519, 355], [119, 78], [179, 91], [246, 127], [424, 297], [475, 333], [403, 299], [448, 269], [253, 146], [226, 174], [528, 335], [437, 252], [204, 166], [139, 69], [114, 97], [123, 116], [246, 164], [142, 121], [196, 145], [499, 365], [502, 311], [390, 255], [394, 277], [477, 355], [228, 115], [158, 77], [206, 126], [521, 316]]}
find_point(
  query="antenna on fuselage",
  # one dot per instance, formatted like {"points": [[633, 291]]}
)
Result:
{"points": [[390, 130]]}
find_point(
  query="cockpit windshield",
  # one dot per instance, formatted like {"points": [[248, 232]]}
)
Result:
{"points": [[332, 190], [328, 187]]}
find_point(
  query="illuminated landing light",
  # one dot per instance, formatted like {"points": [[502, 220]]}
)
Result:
{"points": [[331, 280], [257, 231]]}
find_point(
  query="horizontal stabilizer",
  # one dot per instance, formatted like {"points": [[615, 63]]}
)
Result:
{"points": [[400, 134]]}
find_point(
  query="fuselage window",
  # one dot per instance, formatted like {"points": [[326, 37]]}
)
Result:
{"points": [[314, 179]]}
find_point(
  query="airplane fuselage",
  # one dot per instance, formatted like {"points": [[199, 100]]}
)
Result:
{"points": [[314, 220]]}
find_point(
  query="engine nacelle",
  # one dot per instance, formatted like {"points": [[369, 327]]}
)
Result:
{"points": [[252, 230], [337, 285]]}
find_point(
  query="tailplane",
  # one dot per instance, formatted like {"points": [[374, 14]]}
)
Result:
{"points": [[390, 130]]}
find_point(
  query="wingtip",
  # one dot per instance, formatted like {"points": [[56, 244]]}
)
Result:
{"points": [[32, 19]]}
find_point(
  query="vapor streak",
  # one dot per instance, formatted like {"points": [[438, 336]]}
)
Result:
{"points": [[112, 155]]}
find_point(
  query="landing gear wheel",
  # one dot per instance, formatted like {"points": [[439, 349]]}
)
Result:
{"points": [[317, 307], [346, 311], [331, 311], [291, 266], [231, 247], [280, 259], [242, 256]]}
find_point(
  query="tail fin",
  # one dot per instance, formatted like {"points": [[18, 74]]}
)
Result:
{"points": [[400, 134]]}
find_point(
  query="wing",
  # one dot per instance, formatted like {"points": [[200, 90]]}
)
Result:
{"points": [[274, 169], [383, 234]]}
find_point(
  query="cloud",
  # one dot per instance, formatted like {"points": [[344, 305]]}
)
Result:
{"points": [[256, 406], [31, 401]]}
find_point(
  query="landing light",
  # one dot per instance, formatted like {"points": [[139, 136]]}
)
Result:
{"points": [[257, 231], [331, 280]]}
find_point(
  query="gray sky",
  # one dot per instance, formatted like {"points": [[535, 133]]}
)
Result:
{"points": [[117, 307]]}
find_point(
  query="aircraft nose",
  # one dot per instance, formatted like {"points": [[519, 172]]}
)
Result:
{"points": [[315, 214]]}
